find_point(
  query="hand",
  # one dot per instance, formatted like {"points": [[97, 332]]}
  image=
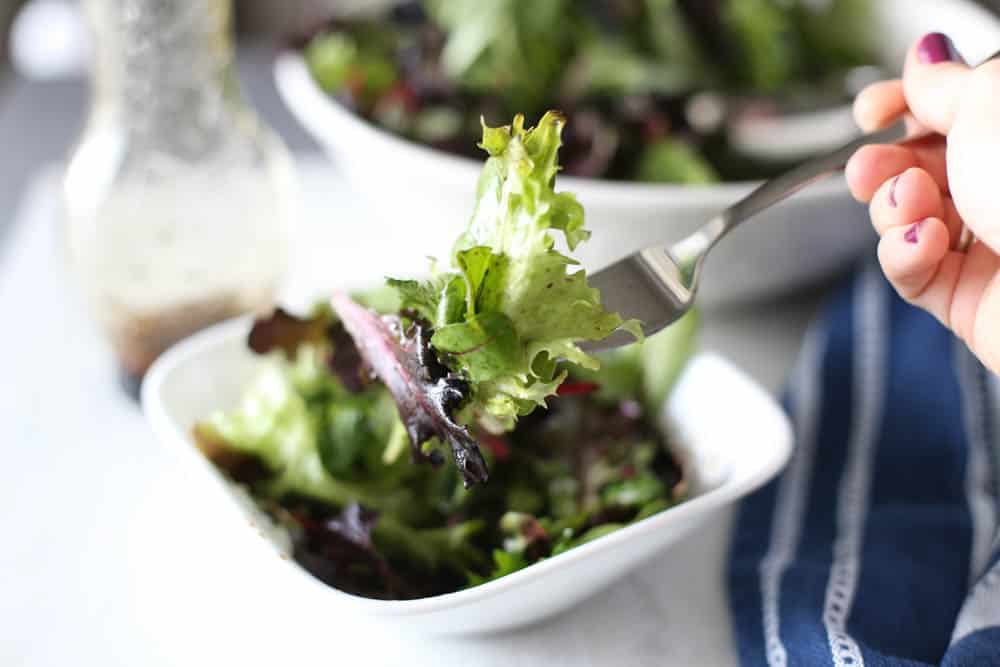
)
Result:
{"points": [[921, 194]]}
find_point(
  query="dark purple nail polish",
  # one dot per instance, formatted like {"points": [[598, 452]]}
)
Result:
{"points": [[912, 234], [936, 47], [892, 192]]}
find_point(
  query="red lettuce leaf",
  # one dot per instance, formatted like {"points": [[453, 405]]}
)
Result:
{"points": [[340, 551], [346, 361], [284, 331], [241, 467], [426, 393]]}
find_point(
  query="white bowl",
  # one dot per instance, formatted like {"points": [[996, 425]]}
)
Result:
{"points": [[727, 455], [808, 239]]}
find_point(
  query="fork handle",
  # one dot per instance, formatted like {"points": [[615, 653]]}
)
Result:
{"points": [[788, 183], [781, 187]]}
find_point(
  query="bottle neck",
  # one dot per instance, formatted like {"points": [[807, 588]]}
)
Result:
{"points": [[162, 63]]}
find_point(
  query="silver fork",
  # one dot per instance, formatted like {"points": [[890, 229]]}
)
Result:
{"points": [[658, 284]]}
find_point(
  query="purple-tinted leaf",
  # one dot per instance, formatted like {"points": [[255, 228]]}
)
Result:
{"points": [[284, 331], [340, 551], [346, 361], [426, 393], [241, 467], [354, 525]]}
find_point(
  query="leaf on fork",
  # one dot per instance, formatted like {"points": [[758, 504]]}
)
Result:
{"points": [[427, 394]]}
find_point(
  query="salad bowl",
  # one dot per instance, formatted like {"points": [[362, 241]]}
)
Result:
{"points": [[724, 458], [806, 240]]}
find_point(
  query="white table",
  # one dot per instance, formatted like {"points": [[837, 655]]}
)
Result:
{"points": [[107, 559]]}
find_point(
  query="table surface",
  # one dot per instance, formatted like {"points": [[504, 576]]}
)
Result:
{"points": [[108, 561]]}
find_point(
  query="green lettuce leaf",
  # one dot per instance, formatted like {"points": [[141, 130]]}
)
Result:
{"points": [[513, 304], [510, 48], [765, 35], [673, 161]]}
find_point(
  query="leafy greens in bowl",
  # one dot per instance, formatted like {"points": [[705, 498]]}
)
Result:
{"points": [[329, 466], [723, 460], [657, 91], [482, 359], [432, 186]]}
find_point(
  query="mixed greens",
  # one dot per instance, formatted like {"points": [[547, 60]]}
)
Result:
{"points": [[649, 85], [482, 360]]}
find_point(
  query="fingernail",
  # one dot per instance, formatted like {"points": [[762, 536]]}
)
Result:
{"points": [[936, 47], [912, 234], [892, 192]]}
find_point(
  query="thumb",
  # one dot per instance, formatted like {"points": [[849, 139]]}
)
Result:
{"points": [[933, 79]]}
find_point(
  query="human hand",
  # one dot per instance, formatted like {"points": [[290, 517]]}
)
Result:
{"points": [[922, 194]]}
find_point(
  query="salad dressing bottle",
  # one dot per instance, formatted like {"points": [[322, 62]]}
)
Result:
{"points": [[176, 197]]}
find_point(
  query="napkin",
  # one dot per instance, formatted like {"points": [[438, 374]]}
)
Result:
{"points": [[877, 545]]}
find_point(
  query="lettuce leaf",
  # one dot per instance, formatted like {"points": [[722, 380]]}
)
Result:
{"points": [[513, 304], [491, 339], [508, 48], [671, 160], [425, 394]]}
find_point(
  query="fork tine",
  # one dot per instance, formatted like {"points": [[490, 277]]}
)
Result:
{"points": [[640, 287]]}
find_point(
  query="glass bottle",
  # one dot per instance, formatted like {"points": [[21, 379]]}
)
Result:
{"points": [[176, 196]]}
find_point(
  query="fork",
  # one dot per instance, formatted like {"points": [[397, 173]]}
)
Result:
{"points": [[658, 284]]}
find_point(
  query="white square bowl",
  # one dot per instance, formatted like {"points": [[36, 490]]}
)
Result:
{"points": [[730, 434]]}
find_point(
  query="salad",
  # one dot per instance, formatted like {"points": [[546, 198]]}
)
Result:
{"points": [[655, 89], [439, 434]]}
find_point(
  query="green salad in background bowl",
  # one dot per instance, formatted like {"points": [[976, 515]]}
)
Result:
{"points": [[656, 90], [440, 434], [699, 150]]}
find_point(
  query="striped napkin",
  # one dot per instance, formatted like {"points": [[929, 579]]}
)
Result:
{"points": [[877, 545]]}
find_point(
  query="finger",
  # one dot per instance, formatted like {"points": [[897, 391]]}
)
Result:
{"points": [[872, 166], [912, 195], [952, 286], [933, 79], [910, 257], [879, 104]]}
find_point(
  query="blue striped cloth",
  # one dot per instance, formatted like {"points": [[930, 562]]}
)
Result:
{"points": [[877, 545]]}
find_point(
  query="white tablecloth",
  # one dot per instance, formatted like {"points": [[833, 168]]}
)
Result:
{"points": [[107, 559]]}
